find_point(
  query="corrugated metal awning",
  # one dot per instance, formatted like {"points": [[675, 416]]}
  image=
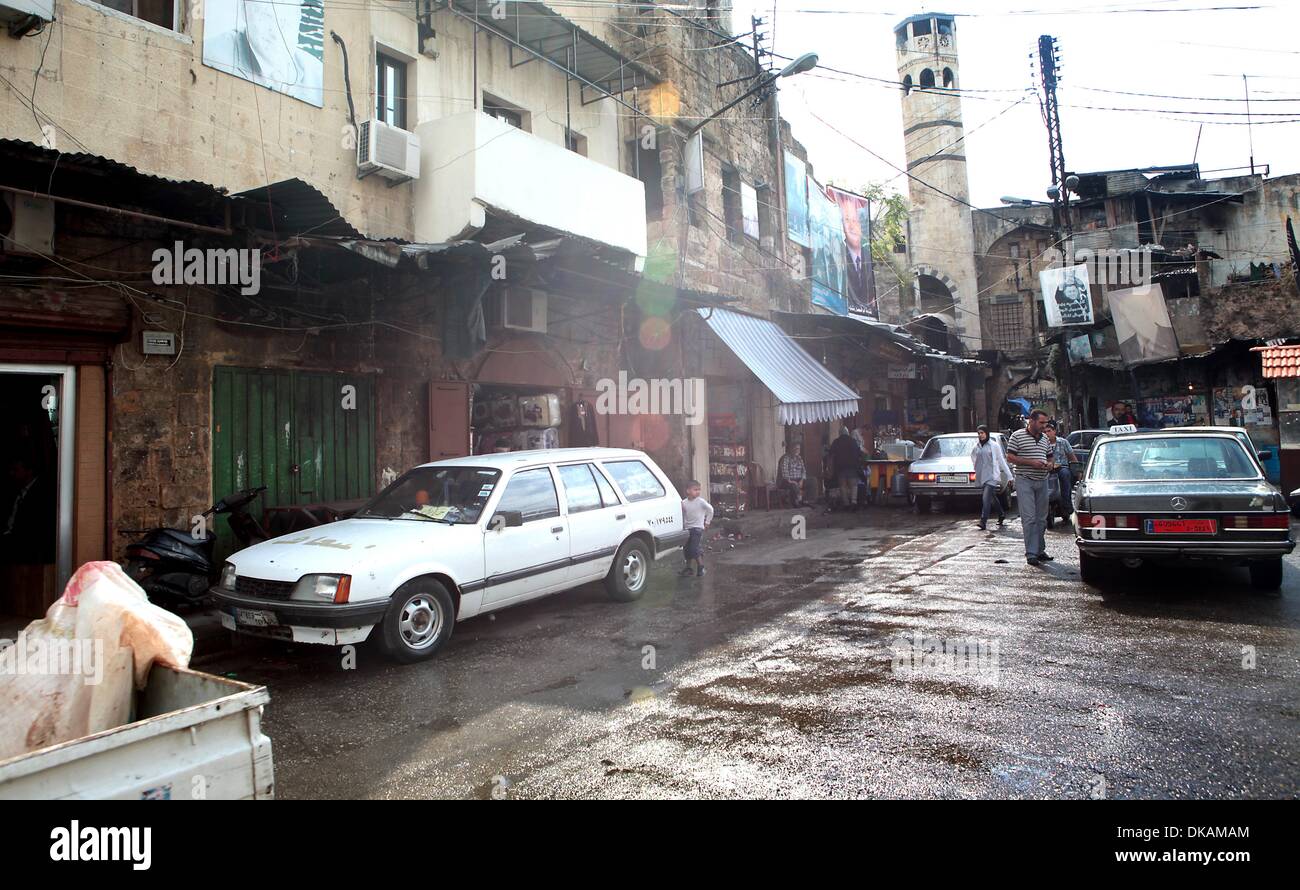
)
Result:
{"points": [[805, 391]]}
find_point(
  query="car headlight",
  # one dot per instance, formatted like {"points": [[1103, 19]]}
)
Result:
{"points": [[331, 588], [228, 576]]}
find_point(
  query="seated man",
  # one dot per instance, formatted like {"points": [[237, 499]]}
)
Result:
{"points": [[791, 472]]}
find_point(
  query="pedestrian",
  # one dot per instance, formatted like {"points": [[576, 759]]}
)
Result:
{"points": [[991, 472], [1064, 455], [697, 515], [846, 464], [1030, 455], [791, 472]]}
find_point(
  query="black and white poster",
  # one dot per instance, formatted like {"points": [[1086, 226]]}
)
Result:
{"points": [[1067, 296], [279, 45]]}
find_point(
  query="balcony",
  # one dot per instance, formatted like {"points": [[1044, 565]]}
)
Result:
{"points": [[473, 165]]}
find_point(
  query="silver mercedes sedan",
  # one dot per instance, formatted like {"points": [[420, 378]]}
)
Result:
{"points": [[1153, 497]]}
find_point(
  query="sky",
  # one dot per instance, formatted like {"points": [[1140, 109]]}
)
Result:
{"points": [[1185, 50]]}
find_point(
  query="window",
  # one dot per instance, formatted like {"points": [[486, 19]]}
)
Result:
{"points": [[435, 494], [1008, 326], [504, 111], [157, 12], [635, 480], [1178, 457], [390, 90], [731, 209], [646, 167], [575, 142], [532, 494], [927, 79], [949, 446], [921, 27], [907, 84], [765, 211], [949, 79], [606, 490], [580, 489]]}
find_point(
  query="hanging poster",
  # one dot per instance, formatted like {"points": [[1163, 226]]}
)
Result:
{"points": [[1142, 325], [1067, 296], [828, 279], [860, 278], [280, 46], [796, 201], [1080, 349], [1234, 406]]}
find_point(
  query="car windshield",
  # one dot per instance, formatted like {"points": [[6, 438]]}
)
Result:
{"points": [[435, 494], [949, 446], [1175, 457]]}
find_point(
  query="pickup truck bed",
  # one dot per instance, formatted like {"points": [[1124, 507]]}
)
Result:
{"points": [[195, 736]]}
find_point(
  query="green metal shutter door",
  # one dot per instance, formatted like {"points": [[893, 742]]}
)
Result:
{"points": [[266, 422]]}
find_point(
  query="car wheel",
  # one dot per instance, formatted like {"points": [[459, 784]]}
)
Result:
{"points": [[418, 622], [1266, 574], [630, 573], [921, 504], [1091, 569]]}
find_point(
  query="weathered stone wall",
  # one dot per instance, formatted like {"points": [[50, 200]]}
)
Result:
{"points": [[689, 242]]}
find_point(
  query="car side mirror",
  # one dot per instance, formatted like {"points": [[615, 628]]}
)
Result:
{"points": [[506, 519], [1264, 455]]}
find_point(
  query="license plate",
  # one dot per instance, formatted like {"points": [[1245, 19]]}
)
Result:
{"points": [[255, 617], [954, 477], [1181, 526]]}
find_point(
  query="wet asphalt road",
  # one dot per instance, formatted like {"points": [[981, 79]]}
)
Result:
{"points": [[797, 669]]}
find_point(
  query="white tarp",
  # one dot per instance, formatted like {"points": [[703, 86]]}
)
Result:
{"points": [[805, 391]]}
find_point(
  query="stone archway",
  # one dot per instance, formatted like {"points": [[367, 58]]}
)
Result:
{"points": [[936, 293]]}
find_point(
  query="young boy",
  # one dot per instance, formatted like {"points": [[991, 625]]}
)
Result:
{"points": [[697, 513]]}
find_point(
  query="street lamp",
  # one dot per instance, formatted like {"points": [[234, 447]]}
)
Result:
{"points": [[806, 62]]}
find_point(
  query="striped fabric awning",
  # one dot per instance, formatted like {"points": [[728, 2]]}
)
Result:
{"points": [[805, 391]]}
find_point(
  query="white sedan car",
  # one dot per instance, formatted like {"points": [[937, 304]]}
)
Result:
{"points": [[454, 539]]}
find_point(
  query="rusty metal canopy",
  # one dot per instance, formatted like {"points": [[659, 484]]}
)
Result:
{"points": [[539, 32]]}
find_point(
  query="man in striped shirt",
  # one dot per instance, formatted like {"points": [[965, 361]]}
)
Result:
{"points": [[1030, 454]]}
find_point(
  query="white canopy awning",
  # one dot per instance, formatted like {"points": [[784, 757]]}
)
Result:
{"points": [[805, 391]]}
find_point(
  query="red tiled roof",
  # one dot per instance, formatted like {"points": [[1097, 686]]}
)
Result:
{"points": [[1279, 361]]}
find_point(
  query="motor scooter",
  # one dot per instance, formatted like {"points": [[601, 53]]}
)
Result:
{"points": [[175, 566]]}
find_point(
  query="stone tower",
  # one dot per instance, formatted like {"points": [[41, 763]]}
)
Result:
{"points": [[941, 241]]}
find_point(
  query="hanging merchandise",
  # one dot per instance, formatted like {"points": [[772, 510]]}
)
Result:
{"points": [[539, 411]]}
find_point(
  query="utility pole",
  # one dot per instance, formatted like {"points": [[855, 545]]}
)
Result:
{"points": [[1049, 67], [1250, 128]]}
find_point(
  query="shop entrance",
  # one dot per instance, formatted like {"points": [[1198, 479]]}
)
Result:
{"points": [[36, 451], [516, 417]]}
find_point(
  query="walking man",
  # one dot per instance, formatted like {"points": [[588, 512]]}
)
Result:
{"points": [[992, 473], [1030, 455], [846, 461]]}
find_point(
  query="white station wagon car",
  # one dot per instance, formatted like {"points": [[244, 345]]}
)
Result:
{"points": [[454, 539]]}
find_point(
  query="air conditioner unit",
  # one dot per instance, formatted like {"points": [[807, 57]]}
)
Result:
{"points": [[390, 151], [21, 17], [26, 224], [520, 309]]}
